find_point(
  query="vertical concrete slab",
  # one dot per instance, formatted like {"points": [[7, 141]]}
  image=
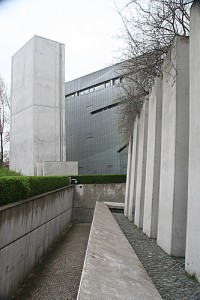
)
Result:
{"points": [[141, 167], [152, 185], [174, 149], [192, 257], [38, 111], [128, 178], [134, 162], [39, 169]]}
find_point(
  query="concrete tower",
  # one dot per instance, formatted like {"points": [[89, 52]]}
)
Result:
{"points": [[37, 112]]}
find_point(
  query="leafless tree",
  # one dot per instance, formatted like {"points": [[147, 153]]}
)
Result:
{"points": [[4, 120], [149, 29]]}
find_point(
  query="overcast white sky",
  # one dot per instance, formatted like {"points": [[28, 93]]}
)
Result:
{"points": [[88, 28]]}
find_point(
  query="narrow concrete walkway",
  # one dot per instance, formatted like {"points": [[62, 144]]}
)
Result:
{"points": [[58, 275], [111, 269]]}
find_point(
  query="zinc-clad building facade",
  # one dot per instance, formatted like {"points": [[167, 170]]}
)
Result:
{"points": [[92, 134]]}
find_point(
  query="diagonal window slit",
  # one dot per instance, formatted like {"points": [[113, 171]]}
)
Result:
{"points": [[104, 108]]}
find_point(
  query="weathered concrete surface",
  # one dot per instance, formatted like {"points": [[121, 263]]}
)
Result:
{"points": [[86, 195], [152, 184], [174, 150], [60, 168], [111, 268], [134, 163], [115, 205], [40, 169], [167, 272], [58, 275], [141, 166], [38, 105], [27, 230], [128, 178], [192, 258]]}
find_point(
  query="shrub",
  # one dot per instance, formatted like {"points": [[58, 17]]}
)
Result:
{"points": [[16, 188], [40, 184], [99, 179], [6, 172]]}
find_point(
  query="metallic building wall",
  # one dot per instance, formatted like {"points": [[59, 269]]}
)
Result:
{"points": [[92, 136]]}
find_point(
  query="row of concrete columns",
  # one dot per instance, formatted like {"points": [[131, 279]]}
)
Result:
{"points": [[163, 178]]}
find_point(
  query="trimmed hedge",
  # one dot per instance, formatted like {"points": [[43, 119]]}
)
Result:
{"points": [[16, 188], [99, 179]]}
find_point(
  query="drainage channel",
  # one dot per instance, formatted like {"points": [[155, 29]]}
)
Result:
{"points": [[58, 275]]}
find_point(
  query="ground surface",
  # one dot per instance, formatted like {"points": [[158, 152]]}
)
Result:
{"points": [[57, 277], [167, 273]]}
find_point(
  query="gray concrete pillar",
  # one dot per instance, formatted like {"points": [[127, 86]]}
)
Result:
{"points": [[152, 184], [174, 149], [38, 105], [133, 179], [128, 178], [192, 257], [141, 166]]}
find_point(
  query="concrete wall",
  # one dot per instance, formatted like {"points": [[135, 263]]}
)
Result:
{"points": [[174, 155], [128, 178], [48, 168], [86, 195], [141, 166], [192, 259], [152, 184], [179, 205], [134, 163], [38, 111], [27, 229]]}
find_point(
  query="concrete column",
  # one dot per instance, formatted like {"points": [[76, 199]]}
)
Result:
{"points": [[38, 105], [174, 149], [141, 167], [128, 178], [192, 257], [152, 185], [133, 179]]}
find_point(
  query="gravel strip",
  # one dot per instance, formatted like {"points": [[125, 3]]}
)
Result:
{"points": [[166, 272], [58, 275]]}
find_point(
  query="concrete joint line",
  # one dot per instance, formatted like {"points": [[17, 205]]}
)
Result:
{"points": [[22, 236]]}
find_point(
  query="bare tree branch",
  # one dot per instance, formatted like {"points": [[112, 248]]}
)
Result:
{"points": [[4, 119], [149, 29]]}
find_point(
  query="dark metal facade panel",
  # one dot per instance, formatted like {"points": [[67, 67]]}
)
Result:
{"points": [[93, 139], [92, 79]]}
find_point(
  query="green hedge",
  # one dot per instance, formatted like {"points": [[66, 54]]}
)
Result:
{"points": [[91, 179], [16, 188], [6, 172]]}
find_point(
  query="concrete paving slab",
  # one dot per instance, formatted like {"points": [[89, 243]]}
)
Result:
{"points": [[111, 269]]}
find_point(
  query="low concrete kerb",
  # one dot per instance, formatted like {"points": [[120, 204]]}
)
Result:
{"points": [[115, 205], [111, 268]]}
